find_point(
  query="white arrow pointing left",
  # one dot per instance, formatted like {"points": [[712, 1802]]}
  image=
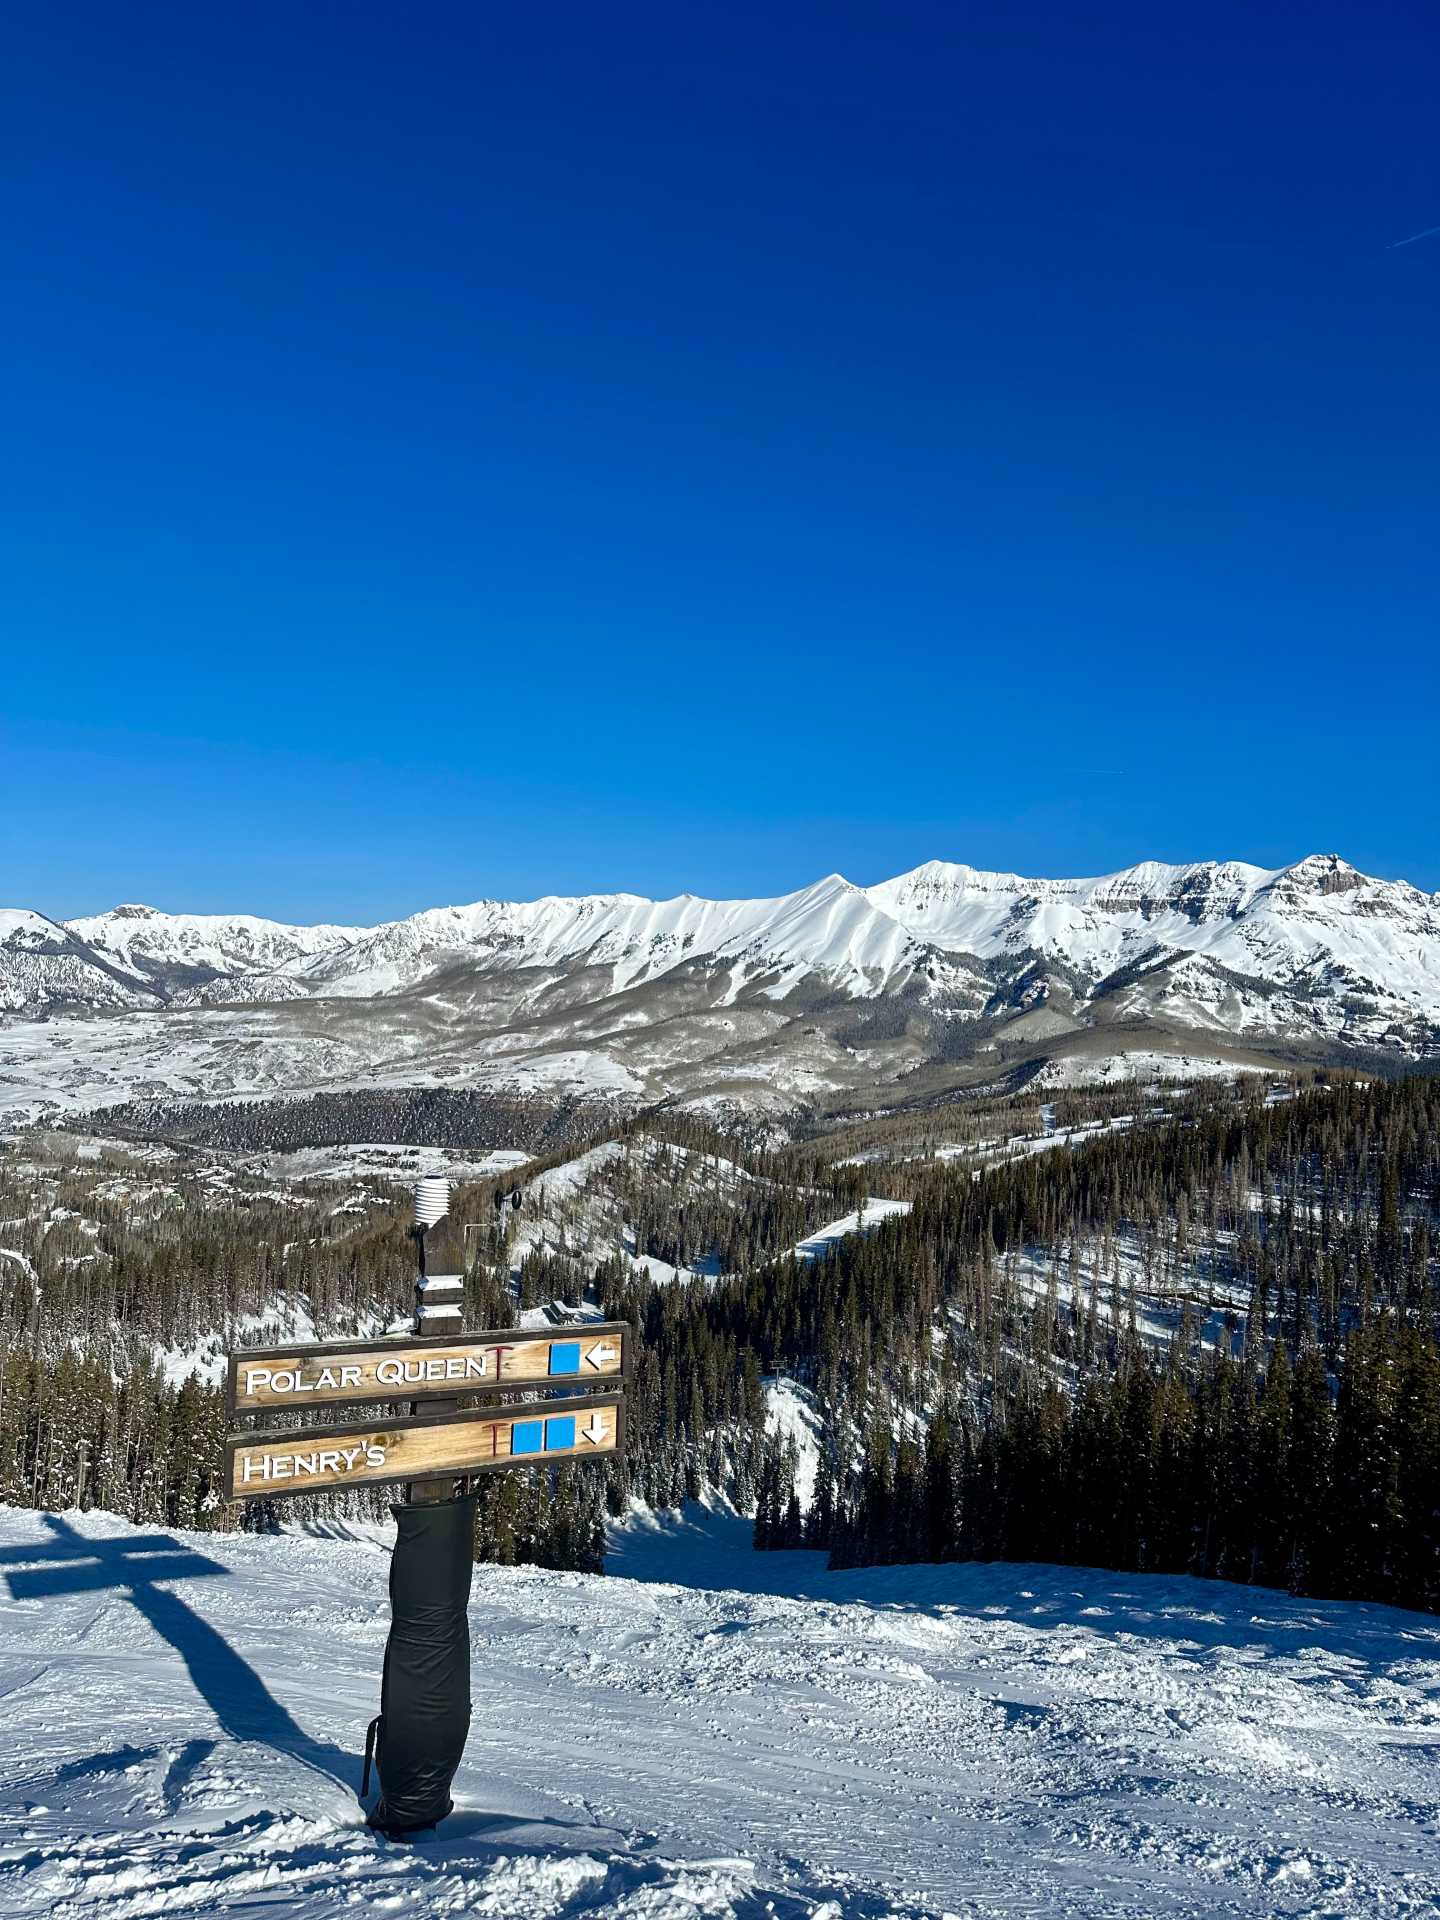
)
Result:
{"points": [[597, 1355]]}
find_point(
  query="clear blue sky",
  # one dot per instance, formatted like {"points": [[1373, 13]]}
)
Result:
{"points": [[484, 448]]}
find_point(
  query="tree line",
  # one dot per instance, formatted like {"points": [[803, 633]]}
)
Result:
{"points": [[1286, 1433], [1202, 1345]]}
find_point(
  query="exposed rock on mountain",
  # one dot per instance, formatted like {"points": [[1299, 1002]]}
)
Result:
{"points": [[942, 978]]}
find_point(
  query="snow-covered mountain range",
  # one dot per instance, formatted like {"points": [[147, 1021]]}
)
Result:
{"points": [[944, 975]]}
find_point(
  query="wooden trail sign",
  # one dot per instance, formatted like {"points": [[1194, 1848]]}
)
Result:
{"points": [[347, 1372], [373, 1453]]}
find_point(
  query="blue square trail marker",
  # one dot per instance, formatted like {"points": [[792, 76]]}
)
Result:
{"points": [[560, 1433], [507, 1360], [527, 1436]]}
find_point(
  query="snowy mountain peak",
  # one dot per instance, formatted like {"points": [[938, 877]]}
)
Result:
{"points": [[44, 964], [923, 979], [23, 924], [1247, 918], [176, 949], [834, 886], [935, 877], [1149, 882], [1326, 873]]}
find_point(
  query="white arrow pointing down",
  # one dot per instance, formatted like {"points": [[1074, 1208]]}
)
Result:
{"points": [[596, 1431]]}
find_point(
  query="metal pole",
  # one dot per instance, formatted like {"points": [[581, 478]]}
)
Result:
{"points": [[439, 1297]]}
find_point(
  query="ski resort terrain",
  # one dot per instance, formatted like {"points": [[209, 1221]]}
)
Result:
{"points": [[706, 1731]]}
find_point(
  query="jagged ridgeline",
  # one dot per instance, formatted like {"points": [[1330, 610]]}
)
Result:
{"points": [[1193, 1337], [944, 981]]}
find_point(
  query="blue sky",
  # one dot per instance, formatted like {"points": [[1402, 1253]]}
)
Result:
{"points": [[494, 449]]}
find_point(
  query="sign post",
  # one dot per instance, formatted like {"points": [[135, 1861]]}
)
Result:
{"points": [[572, 1380], [350, 1372], [379, 1452], [439, 1295]]}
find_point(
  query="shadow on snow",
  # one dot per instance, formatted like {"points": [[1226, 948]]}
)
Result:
{"points": [[72, 1563]]}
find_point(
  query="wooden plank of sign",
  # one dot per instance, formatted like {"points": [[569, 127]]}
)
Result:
{"points": [[339, 1373], [374, 1453]]}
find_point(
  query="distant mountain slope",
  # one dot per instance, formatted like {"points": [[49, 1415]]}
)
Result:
{"points": [[1274, 924], [941, 978], [831, 928], [46, 965], [1352, 957], [175, 950]]}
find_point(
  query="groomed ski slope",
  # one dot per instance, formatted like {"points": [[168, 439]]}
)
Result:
{"points": [[706, 1731], [817, 1245]]}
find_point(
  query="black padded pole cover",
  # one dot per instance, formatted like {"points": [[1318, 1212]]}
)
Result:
{"points": [[425, 1688]]}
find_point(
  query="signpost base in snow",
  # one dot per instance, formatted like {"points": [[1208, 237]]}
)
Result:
{"points": [[424, 1717], [573, 1380]]}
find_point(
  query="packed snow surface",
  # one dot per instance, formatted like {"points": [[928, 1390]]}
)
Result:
{"points": [[383, 1160], [707, 1732]]}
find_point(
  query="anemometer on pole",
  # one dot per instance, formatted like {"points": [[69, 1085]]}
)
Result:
{"points": [[572, 1380]]}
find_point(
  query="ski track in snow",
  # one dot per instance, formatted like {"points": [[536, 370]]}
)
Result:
{"points": [[817, 1245], [706, 1732]]}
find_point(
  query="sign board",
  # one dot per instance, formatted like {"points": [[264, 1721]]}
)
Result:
{"points": [[349, 1371], [373, 1452]]}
